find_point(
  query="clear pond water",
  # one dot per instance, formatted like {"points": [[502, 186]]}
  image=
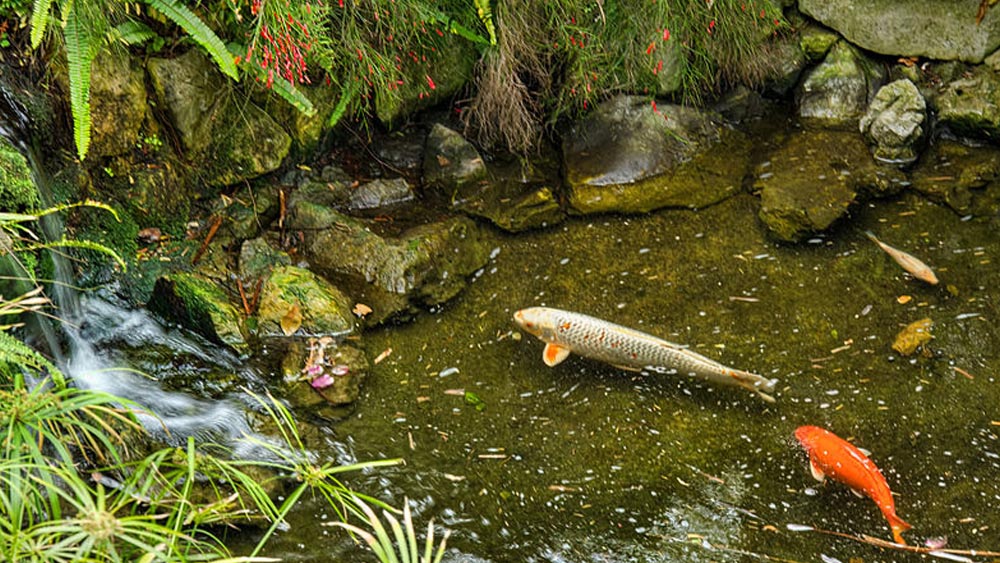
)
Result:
{"points": [[586, 462]]}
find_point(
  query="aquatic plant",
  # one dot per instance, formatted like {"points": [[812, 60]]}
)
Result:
{"points": [[403, 546]]}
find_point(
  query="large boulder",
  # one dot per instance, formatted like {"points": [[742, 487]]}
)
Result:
{"points": [[945, 30], [426, 265], [970, 105], [428, 83], [117, 103], [838, 90], [894, 122], [233, 140], [630, 156]]}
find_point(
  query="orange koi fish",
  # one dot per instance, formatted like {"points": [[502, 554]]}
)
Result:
{"points": [[564, 332], [913, 265], [831, 455]]}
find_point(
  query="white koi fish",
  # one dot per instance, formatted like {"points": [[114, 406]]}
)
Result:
{"points": [[564, 332], [913, 265]]}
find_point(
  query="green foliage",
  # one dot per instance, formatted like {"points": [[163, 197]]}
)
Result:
{"points": [[197, 30], [285, 89], [403, 546], [17, 186]]}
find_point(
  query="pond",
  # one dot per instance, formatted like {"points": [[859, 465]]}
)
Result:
{"points": [[586, 462]]}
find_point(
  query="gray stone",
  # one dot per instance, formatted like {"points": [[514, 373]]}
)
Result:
{"points": [[233, 141], [962, 177], [346, 368], [630, 156], [944, 30], [380, 193], [837, 91], [258, 257], [816, 41], [894, 122], [453, 168]]}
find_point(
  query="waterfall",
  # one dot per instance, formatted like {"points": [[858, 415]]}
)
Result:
{"points": [[89, 337]]}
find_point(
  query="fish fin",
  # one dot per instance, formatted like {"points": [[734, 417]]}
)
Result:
{"points": [[864, 451], [898, 527], [767, 398], [816, 472], [858, 493], [627, 368], [872, 236], [553, 354]]}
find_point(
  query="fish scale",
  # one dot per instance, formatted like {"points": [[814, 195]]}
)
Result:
{"points": [[627, 348]]}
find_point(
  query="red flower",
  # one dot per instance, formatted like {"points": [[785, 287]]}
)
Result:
{"points": [[431, 83]]}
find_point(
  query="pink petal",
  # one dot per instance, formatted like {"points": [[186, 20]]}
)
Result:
{"points": [[340, 369], [322, 381]]}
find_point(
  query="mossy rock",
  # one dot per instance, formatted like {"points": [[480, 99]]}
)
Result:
{"points": [[17, 184], [200, 305], [322, 308]]}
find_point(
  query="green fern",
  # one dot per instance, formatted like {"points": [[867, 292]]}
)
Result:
{"points": [[283, 88], [17, 353], [201, 33], [485, 13], [133, 32], [346, 95], [79, 55], [39, 21]]}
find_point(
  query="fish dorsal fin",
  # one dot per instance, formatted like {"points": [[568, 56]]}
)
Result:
{"points": [[553, 354], [817, 473]]}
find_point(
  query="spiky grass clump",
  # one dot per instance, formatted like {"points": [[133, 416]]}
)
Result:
{"points": [[559, 58]]}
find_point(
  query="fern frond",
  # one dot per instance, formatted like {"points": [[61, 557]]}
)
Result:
{"points": [[39, 21], [79, 55], [133, 32], [201, 33], [283, 88], [485, 13], [15, 352], [346, 95]]}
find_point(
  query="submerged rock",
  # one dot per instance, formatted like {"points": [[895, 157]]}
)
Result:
{"points": [[806, 185], [837, 91], [960, 176], [633, 157], [515, 208], [319, 307], [912, 28], [913, 337], [894, 122], [198, 304], [453, 167], [425, 265]]}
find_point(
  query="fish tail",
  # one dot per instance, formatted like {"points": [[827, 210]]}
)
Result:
{"points": [[898, 527], [760, 385], [872, 236]]}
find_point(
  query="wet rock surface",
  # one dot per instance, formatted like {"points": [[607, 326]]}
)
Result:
{"points": [[199, 304], [453, 168], [295, 301], [632, 157], [970, 105]]}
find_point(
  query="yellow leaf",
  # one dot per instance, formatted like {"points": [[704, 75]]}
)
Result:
{"points": [[362, 310], [291, 321]]}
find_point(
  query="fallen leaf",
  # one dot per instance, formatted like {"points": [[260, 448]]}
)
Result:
{"points": [[361, 310], [385, 354], [915, 335], [322, 381], [291, 321], [443, 162], [903, 299]]}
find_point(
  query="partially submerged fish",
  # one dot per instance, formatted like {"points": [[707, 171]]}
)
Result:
{"points": [[564, 332], [830, 455], [913, 265]]}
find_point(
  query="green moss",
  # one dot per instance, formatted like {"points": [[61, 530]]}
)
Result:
{"points": [[200, 305], [17, 185]]}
